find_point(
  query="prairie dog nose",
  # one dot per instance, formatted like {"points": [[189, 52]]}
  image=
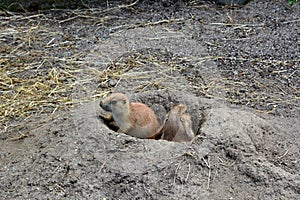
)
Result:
{"points": [[106, 106]]}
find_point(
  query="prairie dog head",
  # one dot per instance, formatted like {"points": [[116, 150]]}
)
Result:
{"points": [[180, 108], [117, 103]]}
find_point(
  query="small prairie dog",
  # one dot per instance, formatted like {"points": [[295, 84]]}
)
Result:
{"points": [[135, 119], [178, 125]]}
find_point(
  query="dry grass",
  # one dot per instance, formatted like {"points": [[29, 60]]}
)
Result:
{"points": [[34, 77], [42, 71]]}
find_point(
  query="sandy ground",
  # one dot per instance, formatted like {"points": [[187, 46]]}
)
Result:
{"points": [[237, 69]]}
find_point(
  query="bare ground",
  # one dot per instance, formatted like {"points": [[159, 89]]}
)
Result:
{"points": [[237, 69]]}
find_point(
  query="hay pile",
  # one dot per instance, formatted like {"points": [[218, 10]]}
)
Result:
{"points": [[38, 69]]}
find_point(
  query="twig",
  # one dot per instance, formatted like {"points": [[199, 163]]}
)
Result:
{"points": [[187, 176], [208, 181], [176, 171], [291, 21], [131, 26], [102, 166], [209, 171], [21, 137], [238, 25], [285, 153], [121, 6]]}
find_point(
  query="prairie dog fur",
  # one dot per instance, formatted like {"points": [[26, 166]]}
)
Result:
{"points": [[135, 119], [178, 125]]}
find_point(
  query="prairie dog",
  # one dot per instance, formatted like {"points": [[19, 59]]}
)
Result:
{"points": [[178, 125], [135, 119]]}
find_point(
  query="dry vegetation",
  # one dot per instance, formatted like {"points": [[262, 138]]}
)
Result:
{"points": [[40, 65], [35, 75]]}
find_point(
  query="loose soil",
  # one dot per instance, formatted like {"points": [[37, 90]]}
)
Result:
{"points": [[236, 68]]}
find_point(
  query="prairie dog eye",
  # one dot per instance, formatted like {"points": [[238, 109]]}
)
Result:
{"points": [[114, 102]]}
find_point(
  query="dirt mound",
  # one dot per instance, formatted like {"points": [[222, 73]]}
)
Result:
{"points": [[77, 156]]}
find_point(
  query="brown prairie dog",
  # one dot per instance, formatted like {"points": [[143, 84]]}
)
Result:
{"points": [[135, 119], [178, 125]]}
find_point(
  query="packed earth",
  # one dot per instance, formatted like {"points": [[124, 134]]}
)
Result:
{"points": [[237, 68]]}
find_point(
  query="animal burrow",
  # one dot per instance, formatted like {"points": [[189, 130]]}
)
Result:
{"points": [[162, 101]]}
